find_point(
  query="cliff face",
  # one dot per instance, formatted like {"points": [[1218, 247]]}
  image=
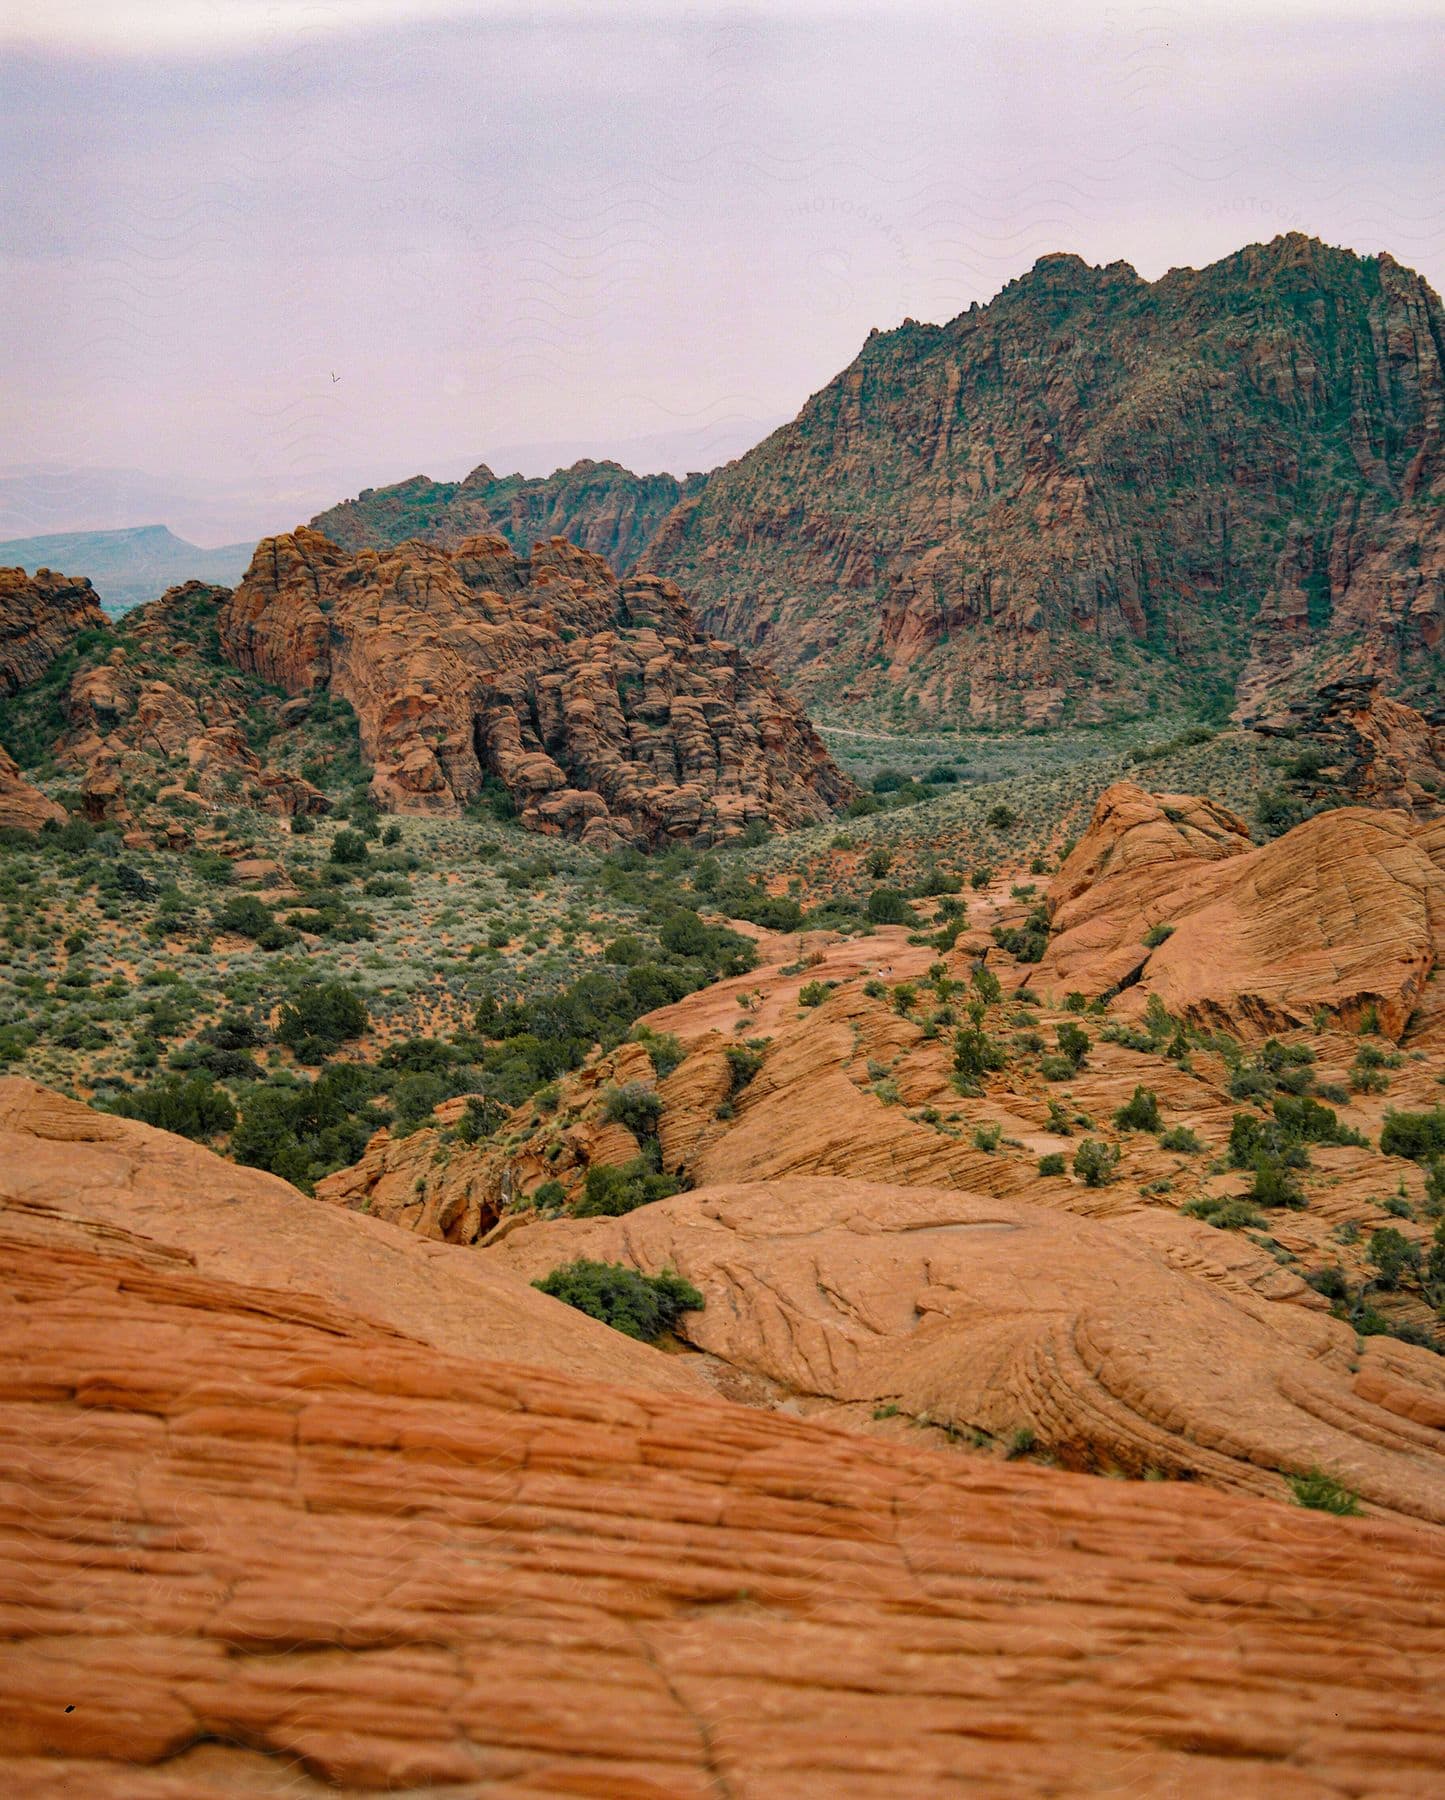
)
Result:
{"points": [[597, 704], [40, 615], [1216, 485], [599, 506]]}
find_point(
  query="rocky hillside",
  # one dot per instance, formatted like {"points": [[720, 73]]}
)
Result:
{"points": [[41, 615], [301, 1502], [1074, 1100], [1220, 487], [599, 506], [596, 704]]}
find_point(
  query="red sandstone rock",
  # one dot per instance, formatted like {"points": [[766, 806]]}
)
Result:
{"points": [[1076, 493], [1344, 912], [40, 615], [260, 1543], [599, 506], [598, 705], [22, 806]]}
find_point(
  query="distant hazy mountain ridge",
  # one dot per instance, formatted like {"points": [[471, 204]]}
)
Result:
{"points": [[127, 568]]}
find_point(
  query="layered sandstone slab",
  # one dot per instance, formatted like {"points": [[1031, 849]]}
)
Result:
{"points": [[1345, 912], [113, 1180], [597, 704], [261, 1544], [40, 617], [1109, 1346]]}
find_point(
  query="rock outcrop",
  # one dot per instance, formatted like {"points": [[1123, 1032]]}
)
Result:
{"points": [[1008, 1317], [262, 1541], [1378, 750], [110, 1180], [1343, 914], [599, 506], [22, 806], [156, 712], [597, 704], [41, 615], [1226, 482]]}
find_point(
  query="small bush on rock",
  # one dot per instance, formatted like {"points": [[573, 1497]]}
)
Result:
{"points": [[641, 1306]]}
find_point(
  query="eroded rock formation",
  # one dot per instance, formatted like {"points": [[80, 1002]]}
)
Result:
{"points": [[1345, 913], [155, 711], [22, 806], [1226, 482], [40, 617], [597, 704]]}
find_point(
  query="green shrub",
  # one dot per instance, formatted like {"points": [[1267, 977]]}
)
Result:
{"points": [[1052, 1163], [613, 1189], [1393, 1256], [1322, 1493], [634, 1105], [195, 1107], [1226, 1212], [641, 1306], [1275, 1185], [245, 916], [988, 1137], [1001, 817], [664, 1049], [1156, 935], [1420, 1136], [975, 1054], [1095, 1162], [743, 1064], [319, 1019], [813, 993], [1140, 1112], [1073, 1042], [887, 906], [348, 848], [1181, 1139]]}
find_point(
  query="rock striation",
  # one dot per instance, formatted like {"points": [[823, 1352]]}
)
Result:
{"points": [[597, 704], [1223, 484], [1114, 1347], [41, 615], [262, 1542], [599, 506], [1164, 896]]}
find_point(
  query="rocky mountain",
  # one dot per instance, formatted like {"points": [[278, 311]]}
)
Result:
{"points": [[600, 506], [1223, 486], [41, 615], [303, 1502], [597, 704]]}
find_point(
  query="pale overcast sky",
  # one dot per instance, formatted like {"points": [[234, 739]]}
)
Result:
{"points": [[269, 251]]}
